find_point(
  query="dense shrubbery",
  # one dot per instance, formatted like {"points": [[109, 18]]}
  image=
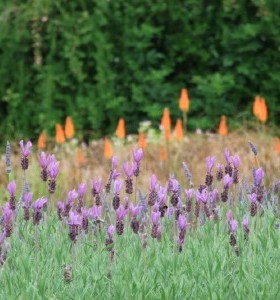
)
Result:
{"points": [[99, 60]]}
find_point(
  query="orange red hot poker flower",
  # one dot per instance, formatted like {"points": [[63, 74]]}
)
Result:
{"points": [[120, 131], [59, 135], [184, 101], [223, 129], [69, 128], [260, 109], [42, 140]]}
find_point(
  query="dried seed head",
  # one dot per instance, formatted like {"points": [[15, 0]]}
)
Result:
{"points": [[67, 274]]}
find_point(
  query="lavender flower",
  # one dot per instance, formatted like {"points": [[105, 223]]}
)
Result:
{"points": [[109, 243], [44, 161], [8, 219], [229, 215], [175, 187], [259, 176], [233, 228], [129, 172], [96, 189], [189, 200], [137, 156], [169, 212], [85, 214], [117, 188], [156, 232], [187, 172], [155, 217], [153, 194], [203, 195], [82, 188], [11, 187], [134, 214], [60, 209], [26, 206], [245, 223], [25, 152], [120, 214], [53, 172], [75, 222], [228, 167], [253, 208], [210, 162], [8, 157], [219, 173], [95, 213], [236, 163], [71, 197], [38, 209], [227, 181], [182, 225], [253, 148]]}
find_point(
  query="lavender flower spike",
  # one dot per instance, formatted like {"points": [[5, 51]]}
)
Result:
{"points": [[96, 186], [235, 161], [134, 210], [25, 151], [227, 181], [95, 212], [189, 194], [39, 203], [117, 186], [11, 187], [7, 214], [182, 223], [114, 162], [129, 171], [27, 199], [137, 155], [259, 176], [110, 231], [227, 156], [229, 215], [121, 213], [203, 195], [245, 222], [210, 162], [153, 183], [53, 169], [82, 188], [155, 217], [233, 226]]}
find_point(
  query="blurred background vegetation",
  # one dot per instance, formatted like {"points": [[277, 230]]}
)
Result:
{"points": [[100, 60]]}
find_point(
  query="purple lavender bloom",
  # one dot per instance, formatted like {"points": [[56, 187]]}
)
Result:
{"points": [[72, 195], [115, 174], [85, 212], [75, 219], [227, 156], [203, 195], [53, 169], [129, 171], [215, 195], [134, 210], [110, 231], [27, 199], [45, 160], [121, 213], [95, 212], [182, 223], [117, 186], [11, 187], [253, 198], [259, 176], [39, 203], [162, 193], [82, 188], [229, 215], [137, 155], [169, 212], [155, 217], [235, 161], [245, 223], [60, 209], [153, 183], [233, 225], [114, 162], [175, 185], [25, 151], [228, 181], [189, 194], [7, 214], [210, 162], [96, 185]]}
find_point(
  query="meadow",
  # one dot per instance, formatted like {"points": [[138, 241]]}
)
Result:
{"points": [[142, 225]]}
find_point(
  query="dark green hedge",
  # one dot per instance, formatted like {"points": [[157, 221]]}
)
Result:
{"points": [[101, 60]]}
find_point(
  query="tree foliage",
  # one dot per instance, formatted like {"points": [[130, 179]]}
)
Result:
{"points": [[101, 60]]}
